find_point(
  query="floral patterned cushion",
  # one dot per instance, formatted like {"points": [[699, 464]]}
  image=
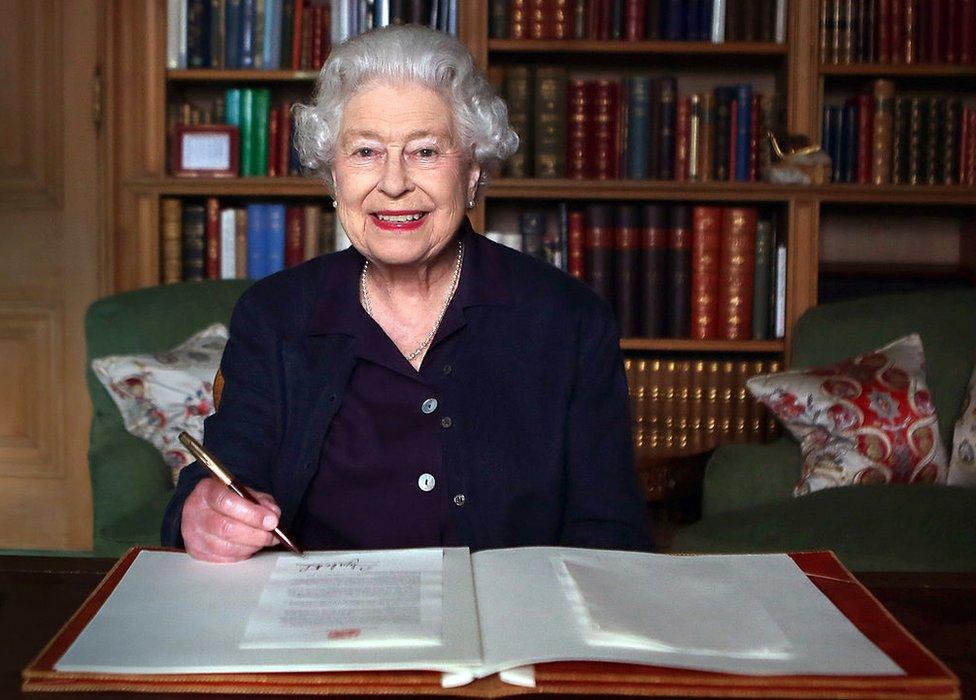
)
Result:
{"points": [[868, 419], [161, 395], [962, 467]]}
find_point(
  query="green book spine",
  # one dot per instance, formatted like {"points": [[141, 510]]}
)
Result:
{"points": [[259, 131], [517, 87], [760, 296], [247, 130], [550, 122], [232, 115]]}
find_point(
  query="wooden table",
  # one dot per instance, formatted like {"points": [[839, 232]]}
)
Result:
{"points": [[38, 594]]}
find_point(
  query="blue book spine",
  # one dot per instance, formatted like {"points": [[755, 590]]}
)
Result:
{"points": [[743, 131], [271, 56], [275, 238], [692, 17], [232, 107], [232, 34], [638, 126], [257, 246], [848, 143], [249, 12], [705, 20], [832, 123], [674, 20], [668, 96]]}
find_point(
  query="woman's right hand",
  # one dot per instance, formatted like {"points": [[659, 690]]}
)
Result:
{"points": [[220, 526]]}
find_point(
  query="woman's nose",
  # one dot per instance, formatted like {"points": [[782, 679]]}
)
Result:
{"points": [[394, 180]]}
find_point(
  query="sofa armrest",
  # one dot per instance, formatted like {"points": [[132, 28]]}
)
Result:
{"points": [[129, 481], [746, 475]]}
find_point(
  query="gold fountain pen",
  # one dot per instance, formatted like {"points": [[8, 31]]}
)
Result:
{"points": [[219, 471]]}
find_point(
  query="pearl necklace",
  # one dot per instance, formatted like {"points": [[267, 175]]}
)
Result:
{"points": [[440, 317]]}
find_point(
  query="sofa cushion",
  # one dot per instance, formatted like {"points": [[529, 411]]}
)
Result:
{"points": [[160, 395], [866, 419], [962, 464]]}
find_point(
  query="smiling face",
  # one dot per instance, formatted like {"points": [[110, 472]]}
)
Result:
{"points": [[401, 178]]}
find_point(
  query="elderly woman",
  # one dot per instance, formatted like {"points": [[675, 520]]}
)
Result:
{"points": [[424, 387]]}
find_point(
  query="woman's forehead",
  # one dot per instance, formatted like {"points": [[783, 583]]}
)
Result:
{"points": [[404, 111]]}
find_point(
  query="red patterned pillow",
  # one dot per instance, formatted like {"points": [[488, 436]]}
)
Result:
{"points": [[866, 420]]}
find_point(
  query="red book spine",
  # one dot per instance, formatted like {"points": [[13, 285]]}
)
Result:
{"points": [[682, 138], [540, 18], [294, 235], [325, 23], [579, 130], [634, 20], [212, 239], [733, 130], [274, 117], [605, 20], [755, 136], [518, 19], [967, 32], [592, 19], [883, 28], [576, 245], [950, 30], [562, 25], [737, 266], [706, 244], [935, 46], [317, 57], [865, 137], [606, 94], [897, 32], [283, 144], [964, 137], [296, 40]]}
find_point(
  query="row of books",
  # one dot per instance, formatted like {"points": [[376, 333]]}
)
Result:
{"points": [[690, 404], [882, 138], [634, 127], [284, 34], [667, 271], [898, 31], [208, 240], [265, 129], [715, 21]]}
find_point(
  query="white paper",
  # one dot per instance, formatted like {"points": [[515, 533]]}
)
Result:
{"points": [[361, 599], [526, 616]]}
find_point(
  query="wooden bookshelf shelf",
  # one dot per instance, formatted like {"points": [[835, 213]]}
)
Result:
{"points": [[512, 188], [916, 70], [689, 345], [953, 195], [209, 75], [687, 48]]}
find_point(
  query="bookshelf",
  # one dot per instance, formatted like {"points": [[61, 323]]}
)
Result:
{"points": [[141, 87]]}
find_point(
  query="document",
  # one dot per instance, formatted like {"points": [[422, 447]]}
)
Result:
{"points": [[470, 616]]}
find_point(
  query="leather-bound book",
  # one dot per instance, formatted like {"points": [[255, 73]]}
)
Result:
{"points": [[540, 19], [274, 123], [766, 30], [655, 239], [756, 120], [726, 401], [898, 31], [848, 141], [967, 32], [740, 402], [865, 138], [900, 141], [294, 235], [497, 19], [599, 250], [694, 137], [532, 226], [696, 407], [755, 411], [198, 33], [706, 137], [743, 130], [240, 243], [713, 409], [311, 231], [669, 376], [668, 87], [218, 36], [949, 162], [737, 265], [576, 244], [882, 131], [605, 129], [562, 19], [579, 130], [627, 267], [763, 274], [653, 20], [283, 143], [935, 28], [933, 123], [682, 139], [682, 406], [883, 31], [579, 19], [673, 18], [638, 126], [869, 36], [635, 20], [679, 272], [720, 133], [653, 413], [212, 239], [824, 26], [846, 30], [194, 247], [518, 19], [604, 25], [172, 239], [550, 122], [327, 230], [654, 129], [706, 248], [517, 87], [910, 49], [951, 31]]}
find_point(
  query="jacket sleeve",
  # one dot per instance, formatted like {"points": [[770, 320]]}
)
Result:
{"points": [[604, 507], [244, 432]]}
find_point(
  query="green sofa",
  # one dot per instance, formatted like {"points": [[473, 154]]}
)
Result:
{"points": [[747, 503], [130, 483]]}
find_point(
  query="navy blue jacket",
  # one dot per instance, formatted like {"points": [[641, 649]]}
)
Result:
{"points": [[540, 443]]}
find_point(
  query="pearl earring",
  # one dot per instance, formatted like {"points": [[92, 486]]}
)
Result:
{"points": [[470, 204], [335, 204]]}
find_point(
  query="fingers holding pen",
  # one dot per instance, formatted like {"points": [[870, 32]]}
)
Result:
{"points": [[219, 525]]}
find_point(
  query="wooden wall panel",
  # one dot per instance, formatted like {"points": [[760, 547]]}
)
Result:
{"points": [[30, 88]]}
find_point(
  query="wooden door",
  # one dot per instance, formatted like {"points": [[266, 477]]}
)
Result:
{"points": [[51, 254]]}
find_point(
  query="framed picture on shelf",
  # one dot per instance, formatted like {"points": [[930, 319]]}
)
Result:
{"points": [[205, 150]]}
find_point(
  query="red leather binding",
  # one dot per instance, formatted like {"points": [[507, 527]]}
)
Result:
{"points": [[925, 676]]}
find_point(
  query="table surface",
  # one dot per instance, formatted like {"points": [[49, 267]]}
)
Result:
{"points": [[39, 594]]}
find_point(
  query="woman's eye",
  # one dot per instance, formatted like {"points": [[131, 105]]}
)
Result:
{"points": [[426, 152], [365, 152]]}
